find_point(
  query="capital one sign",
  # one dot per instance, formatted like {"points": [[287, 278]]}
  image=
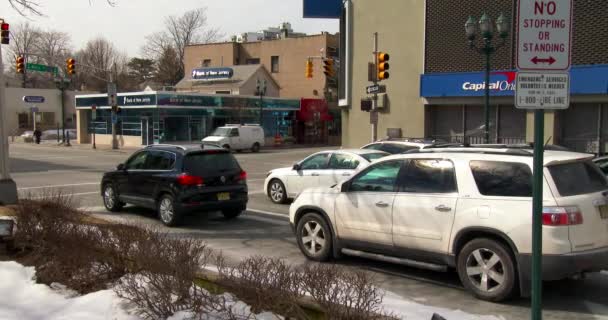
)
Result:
{"points": [[544, 34]]}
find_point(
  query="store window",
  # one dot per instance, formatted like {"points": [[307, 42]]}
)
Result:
{"points": [[253, 61], [274, 64], [206, 63]]}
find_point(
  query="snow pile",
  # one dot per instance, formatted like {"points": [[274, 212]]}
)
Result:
{"points": [[404, 309], [24, 299]]}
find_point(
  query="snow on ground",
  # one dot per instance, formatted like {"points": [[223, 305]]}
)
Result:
{"points": [[24, 299]]}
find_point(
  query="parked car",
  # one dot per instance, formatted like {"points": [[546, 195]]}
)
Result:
{"points": [[176, 180], [324, 168], [237, 137], [396, 146], [463, 208], [52, 134], [28, 134]]}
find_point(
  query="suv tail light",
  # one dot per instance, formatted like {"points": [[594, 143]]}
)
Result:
{"points": [[562, 216], [188, 180]]}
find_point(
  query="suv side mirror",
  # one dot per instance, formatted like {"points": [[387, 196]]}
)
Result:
{"points": [[344, 187], [297, 167], [121, 167]]}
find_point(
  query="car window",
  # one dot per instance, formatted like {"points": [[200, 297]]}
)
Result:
{"points": [[394, 148], [137, 162], [506, 179], [340, 161], [603, 165], [206, 164], [374, 156], [429, 176], [160, 160], [373, 146], [234, 132], [577, 178], [315, 162], [380, 177]]}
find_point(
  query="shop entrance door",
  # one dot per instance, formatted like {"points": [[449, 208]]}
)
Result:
{"points": [[147, 132], [197, 128]]}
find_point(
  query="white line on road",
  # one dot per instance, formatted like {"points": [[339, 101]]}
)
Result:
{"points": [[70, 194], [268, 213], [61, 185]]}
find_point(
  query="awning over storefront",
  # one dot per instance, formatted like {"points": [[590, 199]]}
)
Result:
{"points": [[314, 109], [584, 80]]}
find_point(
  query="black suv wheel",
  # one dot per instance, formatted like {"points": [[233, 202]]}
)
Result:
{"points": [[167, 212], [486, 268], [110, 198]]}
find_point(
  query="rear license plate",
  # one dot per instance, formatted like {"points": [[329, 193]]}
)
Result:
{"points": [[223, 196], [604, 211]]}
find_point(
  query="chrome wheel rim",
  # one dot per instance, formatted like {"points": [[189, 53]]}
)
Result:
{"points": [[485, 270], [166, 210], [108, 197], [276, 192], [313, 237]]}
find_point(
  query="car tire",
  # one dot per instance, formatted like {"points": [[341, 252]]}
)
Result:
{"points": [[231, 214], [110, 198], [487, 269], [168, 214], [255, 148], [314, 237], [277, 192]]}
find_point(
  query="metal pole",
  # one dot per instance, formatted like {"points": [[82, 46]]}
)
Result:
{"points": [[537, 211], [374, 110], [62, 111], [8, 188], [261, 108], [113, 112], [486, 109]]}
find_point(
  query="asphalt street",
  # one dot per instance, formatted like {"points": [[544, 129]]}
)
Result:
{"points": [[264, 230]]}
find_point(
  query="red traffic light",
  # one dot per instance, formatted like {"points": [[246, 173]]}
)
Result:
{"points": [[4, 27]]}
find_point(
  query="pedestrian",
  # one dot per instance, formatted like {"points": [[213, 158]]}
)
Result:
{"points": [[37, 135]]}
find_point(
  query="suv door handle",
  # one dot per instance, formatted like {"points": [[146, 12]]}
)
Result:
{"points": [[315, 174], [381, 204], [443, 208], [346, 174]]}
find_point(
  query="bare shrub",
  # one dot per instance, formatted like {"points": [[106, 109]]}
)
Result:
{"points": [[342, 293]]}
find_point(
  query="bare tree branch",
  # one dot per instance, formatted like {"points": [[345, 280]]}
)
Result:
{"points": [[25, 7]]}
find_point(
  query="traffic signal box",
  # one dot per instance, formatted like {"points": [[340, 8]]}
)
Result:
{"points": [[383, 66]]}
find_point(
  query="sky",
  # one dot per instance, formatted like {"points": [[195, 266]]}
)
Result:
{"points": [[129, 21]]}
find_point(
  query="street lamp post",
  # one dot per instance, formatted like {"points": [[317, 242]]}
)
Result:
{"points": [[487, 33], [261, 91]]}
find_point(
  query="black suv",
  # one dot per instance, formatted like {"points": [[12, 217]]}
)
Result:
{"points": [[176, 180]]}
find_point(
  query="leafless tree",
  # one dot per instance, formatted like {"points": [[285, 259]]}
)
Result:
{"points": [[96, 60], [25, 7], [54, 47], [25, 37], [180, 31]]}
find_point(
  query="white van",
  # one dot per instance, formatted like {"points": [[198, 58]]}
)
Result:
{"points": [[237, 137]]}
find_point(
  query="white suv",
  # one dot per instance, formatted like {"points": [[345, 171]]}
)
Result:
{"points": [[469, 209]]}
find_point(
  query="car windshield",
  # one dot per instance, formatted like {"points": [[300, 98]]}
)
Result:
{"points": [[374, 156], [221, 132], [577, 178], [210, 163]]}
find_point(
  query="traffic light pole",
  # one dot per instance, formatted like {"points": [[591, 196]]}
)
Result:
{"points": [[374, 112], [8, 188], [114, 115]]}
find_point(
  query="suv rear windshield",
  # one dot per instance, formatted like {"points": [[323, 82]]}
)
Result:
{"points": [[576, 178], [210, 163], [373, 156]]}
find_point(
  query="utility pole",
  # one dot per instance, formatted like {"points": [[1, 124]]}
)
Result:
{"points": [[8, 188], [113, 105], [374, 112]]}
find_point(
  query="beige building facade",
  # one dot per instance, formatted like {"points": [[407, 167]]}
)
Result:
{"points": [[284, 58], [435, 89]]}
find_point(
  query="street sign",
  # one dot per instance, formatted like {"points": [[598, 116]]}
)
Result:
{"points": [[41, 68], [33, 99], [112, 95], [114, 118], [542, 90], [34, 109], [376, 88], [544, 35]]}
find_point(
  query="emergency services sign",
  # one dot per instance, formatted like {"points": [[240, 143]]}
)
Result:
{"points": [[544, 35]]}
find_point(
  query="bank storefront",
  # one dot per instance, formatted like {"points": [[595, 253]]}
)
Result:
{"points": [[454, 109], [157, 117]]}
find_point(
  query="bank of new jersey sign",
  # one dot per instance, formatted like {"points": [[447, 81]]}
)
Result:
{"points": [[212, 73], [585, 80]]}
